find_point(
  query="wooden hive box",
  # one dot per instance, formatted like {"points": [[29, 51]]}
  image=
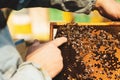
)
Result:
{"points": [[92, 51]]}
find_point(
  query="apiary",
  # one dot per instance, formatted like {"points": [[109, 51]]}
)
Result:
{"points": [[92, 51]]}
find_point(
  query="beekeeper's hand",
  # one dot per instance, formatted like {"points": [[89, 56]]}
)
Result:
{"points": [[109, 9], [48, 56]]}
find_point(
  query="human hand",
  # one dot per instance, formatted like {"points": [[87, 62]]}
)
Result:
{"points": [[48, 56], [35, 45], [109, 9]]}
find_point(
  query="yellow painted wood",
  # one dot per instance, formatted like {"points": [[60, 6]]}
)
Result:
{"points": [[67, 17]]}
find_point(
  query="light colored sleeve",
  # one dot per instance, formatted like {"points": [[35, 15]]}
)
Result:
{"points": [[30, 71], [11, 65]]}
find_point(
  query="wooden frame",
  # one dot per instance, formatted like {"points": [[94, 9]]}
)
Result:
{"points": [[105, 24]]}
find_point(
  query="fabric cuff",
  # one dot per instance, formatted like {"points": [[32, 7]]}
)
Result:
{"points": [[78, 6], [27, 69], [89, 7]]}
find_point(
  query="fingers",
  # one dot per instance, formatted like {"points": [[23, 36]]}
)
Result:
{"points": [[36, 43], [59, 41]]}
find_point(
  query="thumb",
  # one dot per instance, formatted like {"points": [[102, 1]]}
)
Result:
{"points": [[59, 41]]}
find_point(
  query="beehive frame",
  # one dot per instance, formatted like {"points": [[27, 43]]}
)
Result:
{"points": [[105, 24], [110, 26]]}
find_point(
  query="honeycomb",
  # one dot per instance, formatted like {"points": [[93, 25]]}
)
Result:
{"points": [[91, 53]]}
